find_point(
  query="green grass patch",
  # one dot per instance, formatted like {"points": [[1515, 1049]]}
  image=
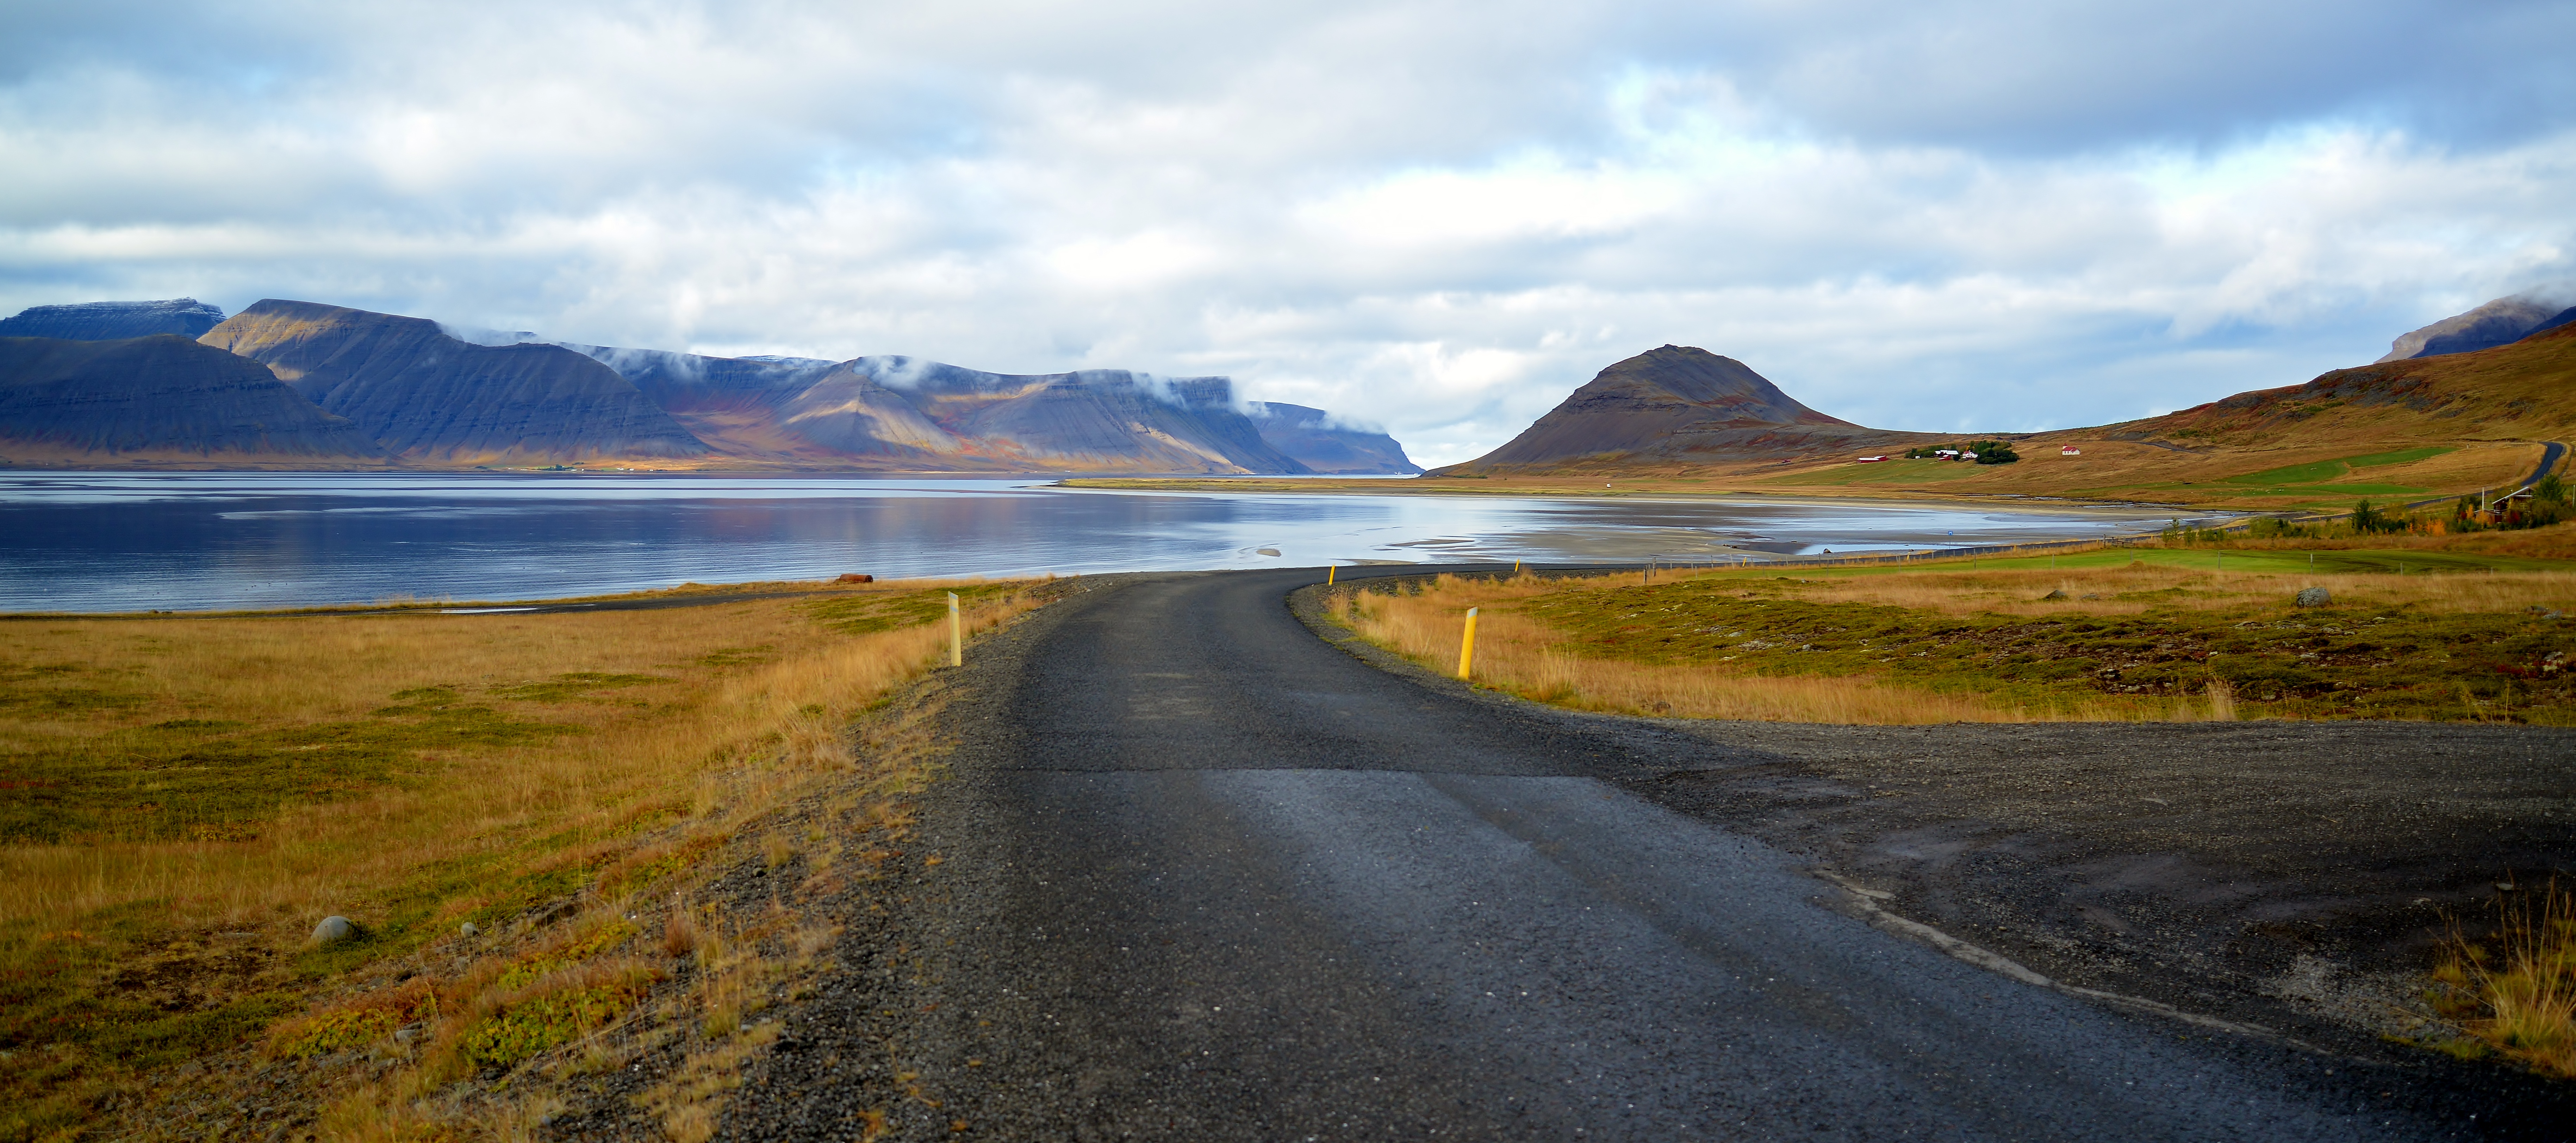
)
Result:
{"points": [[2401, 456], [2314, 490], [2325, 471]]}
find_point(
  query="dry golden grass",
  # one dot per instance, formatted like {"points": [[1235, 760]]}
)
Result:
{"points": [[2518, 992], [1541, 661], [709, 719], [705, 736], [2017, 590], [1516, 654]]}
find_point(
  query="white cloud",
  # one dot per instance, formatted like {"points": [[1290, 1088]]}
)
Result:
{"points": [[1436, 216]]}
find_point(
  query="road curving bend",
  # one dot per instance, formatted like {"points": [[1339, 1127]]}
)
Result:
{"points": [[1203, 875]]}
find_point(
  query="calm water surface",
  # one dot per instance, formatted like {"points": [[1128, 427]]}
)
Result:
{"points": [[124, 542]]}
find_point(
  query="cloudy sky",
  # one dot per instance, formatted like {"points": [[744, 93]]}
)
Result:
{"points": [[1437, 216]]}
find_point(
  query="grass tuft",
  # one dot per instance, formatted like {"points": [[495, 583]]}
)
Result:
{"points": [[2516, 991]]}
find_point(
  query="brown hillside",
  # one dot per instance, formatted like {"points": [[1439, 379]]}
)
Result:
{"points": [[2396, 431]]}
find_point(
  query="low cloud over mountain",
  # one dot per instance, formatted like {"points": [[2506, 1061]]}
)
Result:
{"points": [[418, 392]]}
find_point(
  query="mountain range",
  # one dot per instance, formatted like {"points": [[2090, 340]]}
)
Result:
{"points": [[348, 386]]}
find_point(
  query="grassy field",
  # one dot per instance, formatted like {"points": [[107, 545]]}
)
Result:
{"points": [[182, 799], [2112, 634]]}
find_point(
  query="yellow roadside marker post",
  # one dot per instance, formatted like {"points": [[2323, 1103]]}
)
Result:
{"points": [[1467, 646], [1331, 570], [956, 634]]}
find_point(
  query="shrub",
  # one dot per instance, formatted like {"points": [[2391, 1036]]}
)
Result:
{"points": [[2366, 519], [556, 1012], [355, 1022]]}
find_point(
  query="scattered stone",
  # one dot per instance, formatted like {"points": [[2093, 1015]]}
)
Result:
{"points": [[467, 929], [334, 930], [2314, 597], [854, 577], [406, 1036], [2060, 593]]}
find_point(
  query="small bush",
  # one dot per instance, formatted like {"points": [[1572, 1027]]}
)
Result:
{"points": [[558, 1011], [355, 1022], [680, 933]]}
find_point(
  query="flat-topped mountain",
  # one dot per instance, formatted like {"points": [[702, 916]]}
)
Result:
{"points": [[1676, 405], [897, 413], [114, 321], [425, 396], [1096, 419], [162, 397], [1311, 437]]}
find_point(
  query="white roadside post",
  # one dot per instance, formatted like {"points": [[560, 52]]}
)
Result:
{"points": [[956, 634]]}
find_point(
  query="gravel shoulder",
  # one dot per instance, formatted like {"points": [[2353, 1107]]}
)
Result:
{"points": [[2289, 875]]}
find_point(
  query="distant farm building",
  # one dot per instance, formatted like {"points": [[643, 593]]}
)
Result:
{"points": [[2070, 450], [1871, 459]]}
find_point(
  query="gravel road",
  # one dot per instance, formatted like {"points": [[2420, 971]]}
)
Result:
{"points": [[1203, 875]]}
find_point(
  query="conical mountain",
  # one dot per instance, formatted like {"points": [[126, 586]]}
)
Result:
{"points": [[1676, 405]]}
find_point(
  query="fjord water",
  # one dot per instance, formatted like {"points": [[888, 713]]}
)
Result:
{"points": [[94, 542]]}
